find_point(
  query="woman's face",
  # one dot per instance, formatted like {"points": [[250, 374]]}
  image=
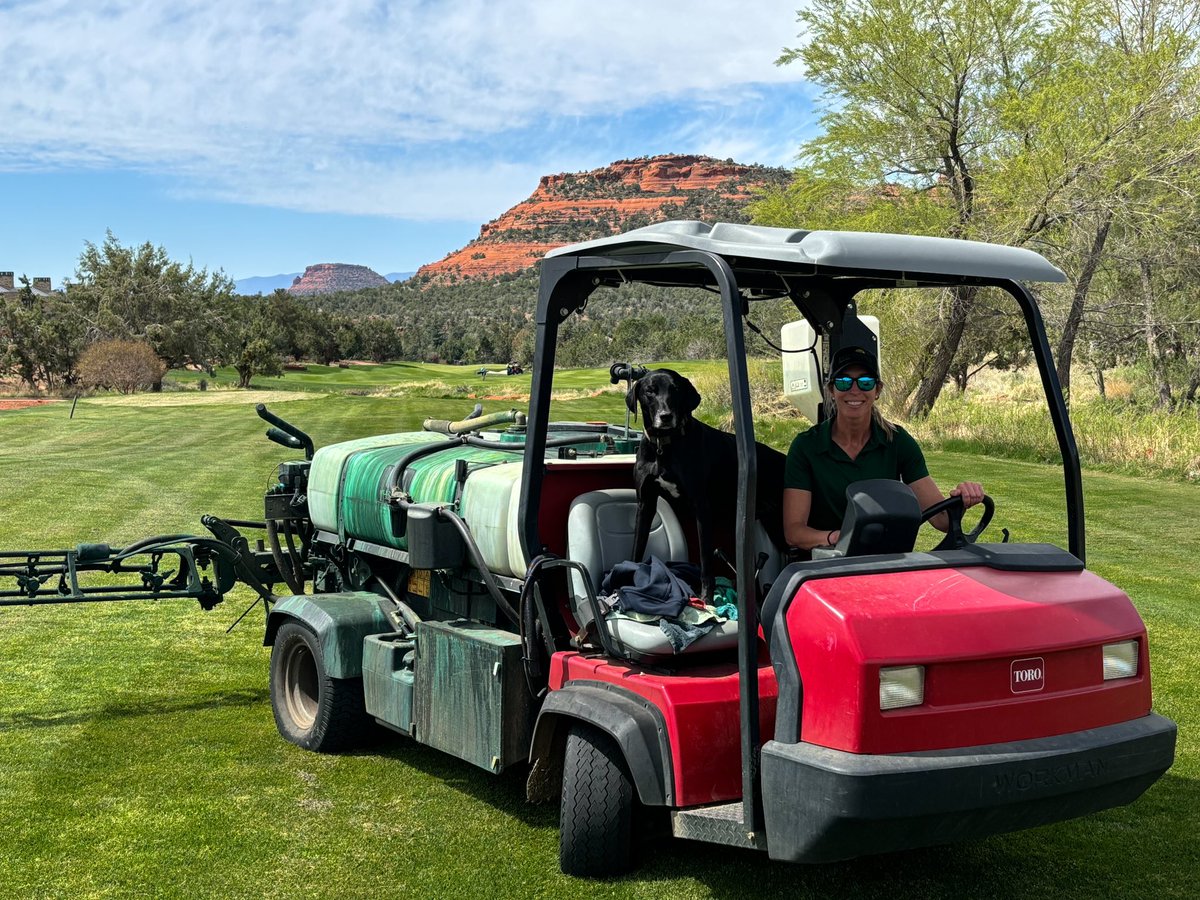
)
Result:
{"points": [[855, 402]]}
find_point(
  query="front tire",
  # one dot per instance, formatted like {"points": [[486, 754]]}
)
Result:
{"points": [[312, 709], [595, 838]]}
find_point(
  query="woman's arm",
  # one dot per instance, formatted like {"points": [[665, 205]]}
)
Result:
{"points": [[796, 506], [928, 494]]}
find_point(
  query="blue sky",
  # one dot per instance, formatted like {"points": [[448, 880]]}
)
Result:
{"points": [[259, 138]]}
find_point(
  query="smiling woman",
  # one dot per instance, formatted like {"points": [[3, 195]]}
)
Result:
{"points": [[856, 443]]}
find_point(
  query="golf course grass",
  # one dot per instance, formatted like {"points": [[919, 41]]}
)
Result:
{"points": [[138, 755]]}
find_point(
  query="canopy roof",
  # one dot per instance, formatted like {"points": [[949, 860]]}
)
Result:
{"points": [[854, 252]]}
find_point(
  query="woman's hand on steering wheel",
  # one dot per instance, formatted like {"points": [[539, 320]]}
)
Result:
{"points": [[971, 493], [954, 506]]}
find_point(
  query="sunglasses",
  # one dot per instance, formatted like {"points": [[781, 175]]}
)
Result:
{"points": [[865, 382]]}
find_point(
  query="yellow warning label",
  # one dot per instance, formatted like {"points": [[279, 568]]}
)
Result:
{"points": [[418, 582]]}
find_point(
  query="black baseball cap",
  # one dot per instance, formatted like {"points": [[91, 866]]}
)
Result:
{"points": [[854, 356]]}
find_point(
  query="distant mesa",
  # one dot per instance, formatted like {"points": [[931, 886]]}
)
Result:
{"points": [[628, 194], [329, 278], [268, 284]]}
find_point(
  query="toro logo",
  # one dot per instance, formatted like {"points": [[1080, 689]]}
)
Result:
{"points": [[1028, 675]]}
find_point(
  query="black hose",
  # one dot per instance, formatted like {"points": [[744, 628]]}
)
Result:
{"points": [[531, 654], [519, 446], [294, 556], [157, 539], [281, 564], [480, 564]]}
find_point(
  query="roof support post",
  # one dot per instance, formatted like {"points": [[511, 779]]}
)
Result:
{"points": [[1058, 414], [743, 423]]}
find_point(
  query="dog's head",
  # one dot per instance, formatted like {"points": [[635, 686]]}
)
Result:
{"points": [[667, 400]]}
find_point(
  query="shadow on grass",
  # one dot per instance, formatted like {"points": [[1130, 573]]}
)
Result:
{"points": [[133, 709], [505, 791], [1145, 849]]}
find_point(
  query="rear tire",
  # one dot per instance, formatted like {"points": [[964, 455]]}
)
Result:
{"points": [[312, 709], [596, 814]]}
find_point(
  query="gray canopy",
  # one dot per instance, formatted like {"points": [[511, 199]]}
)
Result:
{"points": [[853, 251]]}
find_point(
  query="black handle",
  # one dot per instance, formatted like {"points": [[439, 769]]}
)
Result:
{"points": [[625, 372], [305, 442], [280, 436]]}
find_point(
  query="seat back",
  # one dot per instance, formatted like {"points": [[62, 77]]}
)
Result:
{"points": [[600, 535], [773, 563]]}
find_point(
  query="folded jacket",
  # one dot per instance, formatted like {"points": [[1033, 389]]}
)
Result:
{"points": [[652, 587]]}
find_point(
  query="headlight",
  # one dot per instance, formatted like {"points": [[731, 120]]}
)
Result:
{"points": [[902, 686], [1120, 660]]}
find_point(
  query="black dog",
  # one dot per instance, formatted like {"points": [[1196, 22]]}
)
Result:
{"points": [[696, 465]]}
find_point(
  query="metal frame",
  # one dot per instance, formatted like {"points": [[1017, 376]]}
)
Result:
{"points": [[823, 296]]}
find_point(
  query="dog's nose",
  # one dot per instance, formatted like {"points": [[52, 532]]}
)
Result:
{"points": [[664, 421]]}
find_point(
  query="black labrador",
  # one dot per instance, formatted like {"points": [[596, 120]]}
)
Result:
{"points": [[696, 465]]}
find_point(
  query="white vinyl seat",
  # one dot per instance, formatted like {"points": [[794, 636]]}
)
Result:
{"points": [[599, 535]]}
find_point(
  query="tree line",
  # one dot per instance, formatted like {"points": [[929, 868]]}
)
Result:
{"points": [[125, 300], [1070, 128]]}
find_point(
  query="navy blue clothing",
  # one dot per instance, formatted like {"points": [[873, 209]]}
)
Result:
{"points": [[654, 587]]}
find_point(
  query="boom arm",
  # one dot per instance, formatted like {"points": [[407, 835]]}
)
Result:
{"points": [[165, 567]]}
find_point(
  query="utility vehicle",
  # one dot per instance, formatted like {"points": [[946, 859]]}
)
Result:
{"points": [[444, 584]]}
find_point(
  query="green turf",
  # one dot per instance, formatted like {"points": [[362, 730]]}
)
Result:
{"points": [[138, 755]]}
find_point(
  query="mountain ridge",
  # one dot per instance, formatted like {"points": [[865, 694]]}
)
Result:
{"points": [[629, 193]]}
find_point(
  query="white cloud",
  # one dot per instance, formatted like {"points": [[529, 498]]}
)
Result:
{"points": [[396, 103]]}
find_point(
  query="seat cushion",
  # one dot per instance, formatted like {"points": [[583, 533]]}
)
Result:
{"points": [[600, 535]]}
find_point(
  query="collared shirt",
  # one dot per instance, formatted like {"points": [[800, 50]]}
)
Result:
{"points": [[816, 463]]}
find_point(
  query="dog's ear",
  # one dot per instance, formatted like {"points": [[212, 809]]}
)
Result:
{"points": [[690, 396], [631, 399]]}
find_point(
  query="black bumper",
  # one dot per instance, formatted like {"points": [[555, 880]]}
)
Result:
{"points": [[823, 805]]}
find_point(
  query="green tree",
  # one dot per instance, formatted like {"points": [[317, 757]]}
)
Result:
{"points": [[140, 293], [40, 339], [248, 337], [1002, 120]]}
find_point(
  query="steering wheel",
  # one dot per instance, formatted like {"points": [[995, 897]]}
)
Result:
{"points": [[954, 509]]}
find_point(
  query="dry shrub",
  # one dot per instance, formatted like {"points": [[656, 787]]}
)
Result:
{"points": [[1118, 389], [766, 394], [124, 366]]}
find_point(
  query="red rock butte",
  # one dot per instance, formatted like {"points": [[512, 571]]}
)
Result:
{"points": [[580, 206], [327, 278]]}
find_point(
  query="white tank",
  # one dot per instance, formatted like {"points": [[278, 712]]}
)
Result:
{"points": [[801, 378], [489, 506]]}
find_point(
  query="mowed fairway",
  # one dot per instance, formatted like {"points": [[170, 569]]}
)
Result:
{"points": [[138, 755]]}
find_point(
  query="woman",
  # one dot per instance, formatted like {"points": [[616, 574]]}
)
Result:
{"points": [[855, 443]]}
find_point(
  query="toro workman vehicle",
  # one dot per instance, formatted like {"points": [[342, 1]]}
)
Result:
{"points": [[450, 585]]}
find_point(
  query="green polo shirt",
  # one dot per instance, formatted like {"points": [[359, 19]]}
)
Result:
{"points": [[815, 463]]}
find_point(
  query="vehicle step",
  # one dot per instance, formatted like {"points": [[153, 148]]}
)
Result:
{"points": [[717, 824]]}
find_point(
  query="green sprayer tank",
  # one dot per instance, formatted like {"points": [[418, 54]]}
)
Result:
{"points": [[349, 485]]}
